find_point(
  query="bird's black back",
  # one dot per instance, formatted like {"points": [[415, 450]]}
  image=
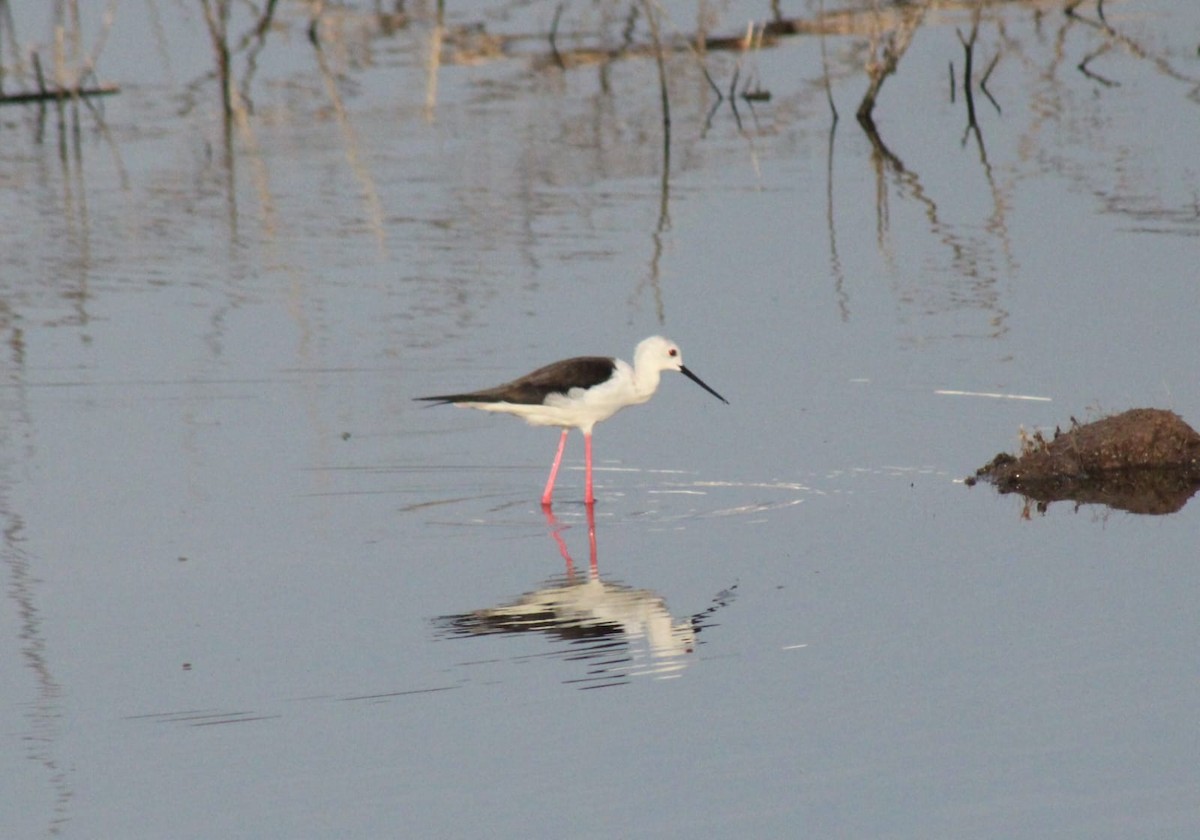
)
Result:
{"points": [[533, 388]]}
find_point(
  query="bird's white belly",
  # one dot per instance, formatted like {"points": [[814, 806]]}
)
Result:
{"points": [[579, 408]]}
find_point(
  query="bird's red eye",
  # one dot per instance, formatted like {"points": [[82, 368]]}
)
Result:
{"points": [[672, 352]]}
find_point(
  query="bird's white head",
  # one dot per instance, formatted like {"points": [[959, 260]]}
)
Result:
{"points": [[656, 354]]}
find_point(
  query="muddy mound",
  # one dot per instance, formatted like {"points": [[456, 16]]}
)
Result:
{"points": [[1144, 460]]}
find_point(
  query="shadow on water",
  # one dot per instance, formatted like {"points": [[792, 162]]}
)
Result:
{"points": [[616, 632]]}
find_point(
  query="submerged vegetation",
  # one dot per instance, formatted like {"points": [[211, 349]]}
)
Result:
{"points": [[659, 79], [878, 33]]}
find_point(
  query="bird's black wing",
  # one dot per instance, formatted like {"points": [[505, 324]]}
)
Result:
{"points": [[533, 388]]}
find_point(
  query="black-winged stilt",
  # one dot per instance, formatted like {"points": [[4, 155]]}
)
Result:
{"points": [[578, 393]]}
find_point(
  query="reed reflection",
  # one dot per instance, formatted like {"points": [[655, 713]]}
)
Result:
{"points": [[619, 632]]}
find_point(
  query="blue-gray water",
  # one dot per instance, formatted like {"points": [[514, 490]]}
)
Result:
{"points": [[246, 578]]}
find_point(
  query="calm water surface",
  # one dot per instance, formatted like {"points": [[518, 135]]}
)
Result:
{"points": [[253, 590]]}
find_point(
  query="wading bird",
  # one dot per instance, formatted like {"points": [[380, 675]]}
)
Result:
{"points": [[578, 393]]}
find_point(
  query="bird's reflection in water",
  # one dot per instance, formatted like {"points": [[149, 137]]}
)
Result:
{"points": [[619, 632]]}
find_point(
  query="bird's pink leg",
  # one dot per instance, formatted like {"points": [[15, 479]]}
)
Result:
{"points": [[562, 442], [589, 498]]}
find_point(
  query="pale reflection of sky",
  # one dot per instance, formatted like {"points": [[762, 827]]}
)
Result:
{"points": [[229, 534]]}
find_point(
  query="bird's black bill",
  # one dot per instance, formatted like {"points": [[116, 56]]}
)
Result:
{"points": [[700, 382]]}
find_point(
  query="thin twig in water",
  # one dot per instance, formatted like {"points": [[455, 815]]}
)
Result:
{"points": [[314, 23], [47, 94], [37, 72], [652, 20], [664, 205], [558, 59], [216, 15], [628, 30], [755, 93], [106, 24], [264, 20], [983, 82], [720, 97], [968, 45], [253, 43], [879, 68], [825, 69], [1083, 67], [716, 90]]}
